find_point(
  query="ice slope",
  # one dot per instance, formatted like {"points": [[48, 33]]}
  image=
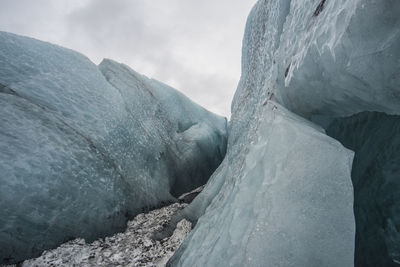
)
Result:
{"points": [[291, 203], [80, 155], [375, 137], [315, 58]]}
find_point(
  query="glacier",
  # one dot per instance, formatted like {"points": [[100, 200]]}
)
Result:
{"points": [[316, 63], [341, 61], [310, 175], [84, 148], [290, 205]]}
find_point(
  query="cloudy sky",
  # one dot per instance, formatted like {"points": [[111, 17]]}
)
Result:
{"points": [[192, 45]]}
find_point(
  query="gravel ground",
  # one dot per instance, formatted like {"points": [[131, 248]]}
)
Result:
{"points": [[134, 247]]}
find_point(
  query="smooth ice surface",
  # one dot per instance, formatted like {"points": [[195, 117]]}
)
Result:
{"points": [[80, 155], [291, 204], [375, 138]]}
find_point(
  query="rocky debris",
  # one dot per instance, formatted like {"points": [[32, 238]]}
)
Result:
{"points": [[134, 247]]}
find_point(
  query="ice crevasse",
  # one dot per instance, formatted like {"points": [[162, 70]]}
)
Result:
{"points": [[283, 195], [83, 148]]}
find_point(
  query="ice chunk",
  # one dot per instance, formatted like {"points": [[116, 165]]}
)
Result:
{"points": [[291, 204], [188, 197], [80, 155]]}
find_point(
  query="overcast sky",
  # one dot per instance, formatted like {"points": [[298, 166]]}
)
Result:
{"points": [[192, 45]]}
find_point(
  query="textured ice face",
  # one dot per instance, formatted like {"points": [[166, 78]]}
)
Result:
{"points": [[290, 205], [195, 138], [80, 152], [341, 60], [316, 58], [54, 184]]}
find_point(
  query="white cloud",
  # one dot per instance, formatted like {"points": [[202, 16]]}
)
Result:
{"points": [[192, 45]]}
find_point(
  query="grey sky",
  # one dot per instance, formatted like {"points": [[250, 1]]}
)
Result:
{"points": [[192, 45]]}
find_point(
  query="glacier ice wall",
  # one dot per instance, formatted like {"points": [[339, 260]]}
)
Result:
{"points": [[375, 138], [83, 148], [195, 138], [316, 58], [341, 60], [291, 204]]}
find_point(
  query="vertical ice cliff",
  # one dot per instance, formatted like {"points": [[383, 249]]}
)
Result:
{"points": [[290, 204], [319, 59], [375, 138], [82, 148]]}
